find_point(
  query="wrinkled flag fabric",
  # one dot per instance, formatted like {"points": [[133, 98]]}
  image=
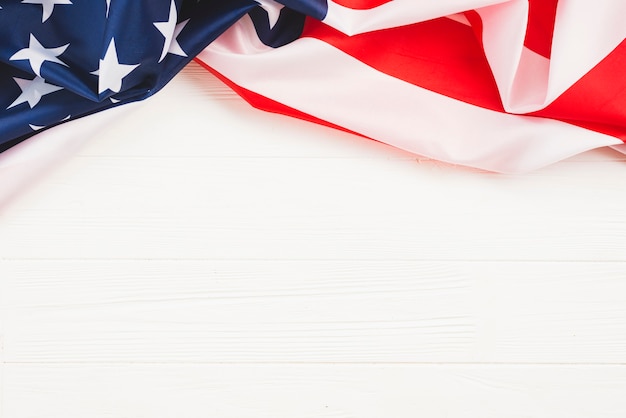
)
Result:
{"points": [[63, 59], [505, 86]]}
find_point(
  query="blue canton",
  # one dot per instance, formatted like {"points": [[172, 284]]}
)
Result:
{"points": [[64, 59]]}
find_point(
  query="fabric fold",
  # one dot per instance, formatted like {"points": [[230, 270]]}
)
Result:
{"points": [[503, 85]]}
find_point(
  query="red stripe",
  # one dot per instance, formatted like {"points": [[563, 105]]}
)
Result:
{"points": [[269, 105], [440, 55], [361, 4], [598, 100], [446, 57], [541, 17]]}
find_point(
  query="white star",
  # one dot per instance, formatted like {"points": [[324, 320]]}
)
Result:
{"points": [[273, 11], [108, 6], [37, 54], [47, 5], [170, 30], [111, 72], [33, 90], [175, 46]]}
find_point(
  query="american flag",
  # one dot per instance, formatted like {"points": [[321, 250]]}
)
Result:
{"points": [[63, 59], [501, 85]]}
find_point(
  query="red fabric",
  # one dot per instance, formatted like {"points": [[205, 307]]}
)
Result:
{"points": [[541, 17], [361, 4], [598, 100], [269, 105], [446, 57], [440, 55]]}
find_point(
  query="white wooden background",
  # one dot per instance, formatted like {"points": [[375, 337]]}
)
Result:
{"points": [[200, 258]]}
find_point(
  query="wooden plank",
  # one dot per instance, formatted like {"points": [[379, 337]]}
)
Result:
{"points": [[318, 311], [272, 391], [315, 208]]}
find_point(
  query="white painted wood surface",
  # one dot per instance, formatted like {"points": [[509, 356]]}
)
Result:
{"points": [[201, 258]]}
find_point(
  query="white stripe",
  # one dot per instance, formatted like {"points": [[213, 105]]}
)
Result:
{"points": [[504, 29], [396, 13], [584, 34], [314, 77]]}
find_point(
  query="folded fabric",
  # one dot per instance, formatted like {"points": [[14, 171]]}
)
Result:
{"points": [[501, 85], [63, 59]]}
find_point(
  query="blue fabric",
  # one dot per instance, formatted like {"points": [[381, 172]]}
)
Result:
{"points": [[317, 9], [71, 86], [287, 29]]}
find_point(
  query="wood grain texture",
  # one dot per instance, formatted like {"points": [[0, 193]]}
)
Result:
{"points": [[209, 259], [338, 391], [275, 208], [331, 312]]}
